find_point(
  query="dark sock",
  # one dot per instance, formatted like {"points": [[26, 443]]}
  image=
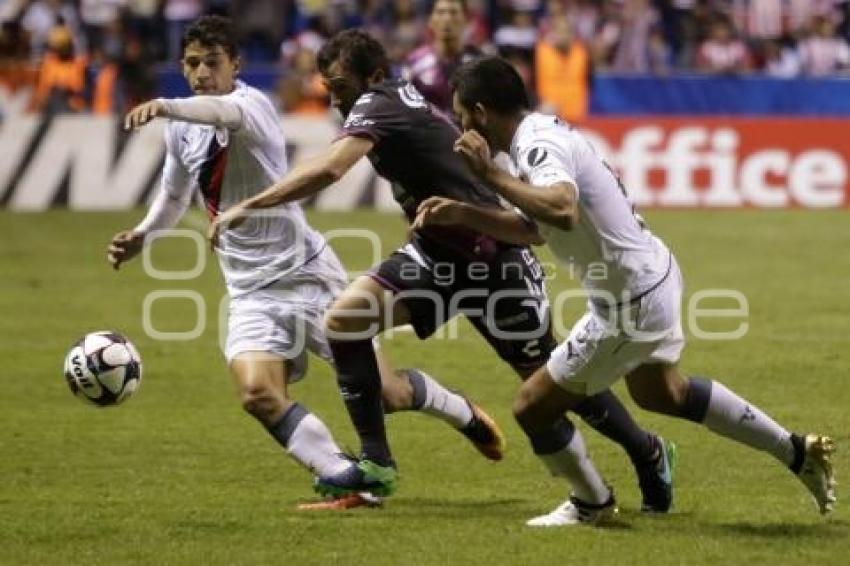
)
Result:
{"points": [[799, 453], [284, 427], [360, 386], [607, 415], [420, 392], [554, 439], [697, 399]]}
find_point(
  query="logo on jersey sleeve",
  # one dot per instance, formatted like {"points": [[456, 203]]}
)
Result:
{"points": [[411, 97], [357, 120], [364, 98], [536, 156]]}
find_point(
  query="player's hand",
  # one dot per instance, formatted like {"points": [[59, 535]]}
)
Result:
{"points": [[230, 218], [142, 114], [123, 247], [476, 152], [438, 211]]}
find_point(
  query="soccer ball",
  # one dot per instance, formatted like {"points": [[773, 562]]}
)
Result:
{"points": [[103, 368]]}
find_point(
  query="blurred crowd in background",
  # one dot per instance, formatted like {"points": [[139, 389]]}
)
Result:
{"points": [[103, 56]]}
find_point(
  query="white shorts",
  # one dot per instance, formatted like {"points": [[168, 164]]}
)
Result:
{"points": [[601, 348], [286, 319]]}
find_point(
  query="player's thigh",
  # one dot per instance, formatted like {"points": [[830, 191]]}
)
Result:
{"points": [[656, 384], [594, 356], [365, 307], [266, 322], [421, 288], [280, 322], [513, 316], [525, 346]]}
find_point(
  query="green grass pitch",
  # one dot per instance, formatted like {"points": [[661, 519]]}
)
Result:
{"points": [[179, 475]]}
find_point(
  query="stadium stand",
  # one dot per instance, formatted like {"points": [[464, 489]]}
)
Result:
{"points": [[628, 45]]}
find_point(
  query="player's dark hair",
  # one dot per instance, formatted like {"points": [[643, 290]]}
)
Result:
{"points": [[492, 82], [463, 5], [357, 51], [212, 31]]}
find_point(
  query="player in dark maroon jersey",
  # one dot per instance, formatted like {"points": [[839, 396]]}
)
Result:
{"points": [[430, 66], [442, 271]]}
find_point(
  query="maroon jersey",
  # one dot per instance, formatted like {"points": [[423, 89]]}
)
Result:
{"points": [[431, 75], [414, 150]]}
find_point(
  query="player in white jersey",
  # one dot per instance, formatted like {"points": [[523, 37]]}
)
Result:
{"points": [[226, 142], [632, 327]]}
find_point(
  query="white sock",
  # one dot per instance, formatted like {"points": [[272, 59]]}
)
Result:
{"points": [[733, 417], [312, 446], [573, 463], [432, 398]]}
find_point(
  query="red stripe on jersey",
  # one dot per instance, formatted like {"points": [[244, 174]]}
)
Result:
{"points": [[211, 177], [213, 196]]}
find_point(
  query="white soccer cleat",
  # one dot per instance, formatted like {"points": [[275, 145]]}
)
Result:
{"points": [[574, 512], [816, 472]]}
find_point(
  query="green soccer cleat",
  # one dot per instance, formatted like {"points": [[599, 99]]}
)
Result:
{"points": [[360, 476]]}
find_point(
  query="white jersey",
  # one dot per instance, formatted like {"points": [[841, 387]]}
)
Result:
{"points": [[610, 247], [227, 166]]}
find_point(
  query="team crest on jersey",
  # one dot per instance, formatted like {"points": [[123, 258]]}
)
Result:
{"points": [[536, 156]]}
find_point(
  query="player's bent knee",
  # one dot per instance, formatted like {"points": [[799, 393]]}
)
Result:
{"points": [[260, 401], [340, 325], [654, 389], [334, 324]]}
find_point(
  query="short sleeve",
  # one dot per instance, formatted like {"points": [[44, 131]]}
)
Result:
{"points": [[543, 163], [375, 116]]}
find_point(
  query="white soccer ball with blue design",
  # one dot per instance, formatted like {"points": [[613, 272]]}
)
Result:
{"points": [[103, 368]]}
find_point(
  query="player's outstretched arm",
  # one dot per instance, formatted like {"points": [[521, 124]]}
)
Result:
{"points": [[309, 178], [211, 110], [504, 225], [303, 181], [555, 204]]}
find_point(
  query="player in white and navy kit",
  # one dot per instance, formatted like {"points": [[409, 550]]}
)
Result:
{"points": [[632, 326], [226, 143]]}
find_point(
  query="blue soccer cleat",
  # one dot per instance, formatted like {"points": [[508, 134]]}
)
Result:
{"points": [[656, 479]]}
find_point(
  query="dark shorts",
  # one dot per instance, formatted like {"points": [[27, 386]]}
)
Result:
{"points": [[504, 298]]}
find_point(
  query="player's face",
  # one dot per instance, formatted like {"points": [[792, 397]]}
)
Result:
{"points": [[343, 86], [209, 70], [447, 20], [470, 118]]}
